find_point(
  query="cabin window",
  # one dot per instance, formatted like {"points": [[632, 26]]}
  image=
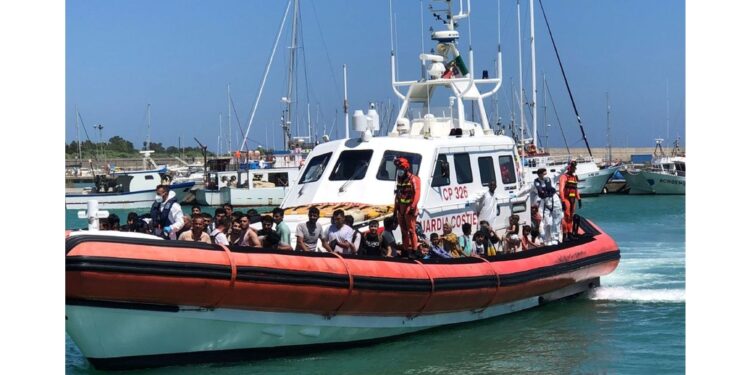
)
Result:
{"points": [[149, 177], [315, 168], [441, 174], [352, 165], [486, 170], [387, 170], [279, 179], [507, 169], [463, 168]]}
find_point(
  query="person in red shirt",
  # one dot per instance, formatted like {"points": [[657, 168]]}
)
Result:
{"points": [[405, 205]]}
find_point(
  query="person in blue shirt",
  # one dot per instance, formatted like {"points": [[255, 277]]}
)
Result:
{"points": [[435, 250]]}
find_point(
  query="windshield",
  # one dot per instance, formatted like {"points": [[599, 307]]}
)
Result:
{"points": [[352, 165], [315, 168], [387, 170]]}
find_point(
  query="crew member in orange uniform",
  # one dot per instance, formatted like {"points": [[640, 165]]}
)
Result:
{"points": [[405, 206], [569, 192]]}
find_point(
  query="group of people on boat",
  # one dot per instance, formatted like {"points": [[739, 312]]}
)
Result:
{"points": [[557, 206], [552, 210]]}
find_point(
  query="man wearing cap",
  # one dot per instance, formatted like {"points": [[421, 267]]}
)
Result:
{"points": [[405, 206], [569, 194]]}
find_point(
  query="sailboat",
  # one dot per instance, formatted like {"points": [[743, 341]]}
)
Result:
{"points": [[256, 180], [591, 178]]}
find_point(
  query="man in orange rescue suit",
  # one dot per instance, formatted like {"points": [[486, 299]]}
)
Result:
{"points": [[569, 192], [407, 197]]}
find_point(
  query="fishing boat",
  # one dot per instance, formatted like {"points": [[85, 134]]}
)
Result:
{"points": [[137, 301], [255, 182], [665, 174], [126, 190]]}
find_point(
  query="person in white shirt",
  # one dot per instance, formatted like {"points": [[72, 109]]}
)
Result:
{"points": [[339, 235], [166, 213], [487, 204], [218, 235]]}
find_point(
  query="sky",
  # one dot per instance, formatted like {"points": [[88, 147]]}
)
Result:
{"points": [[179, 56]]}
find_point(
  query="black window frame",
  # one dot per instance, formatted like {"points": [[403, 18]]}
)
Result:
{"points": [[343, 156], [387, 160], [327, 157], [436, 173], [466, 159], [511, 168], [481, 171]]}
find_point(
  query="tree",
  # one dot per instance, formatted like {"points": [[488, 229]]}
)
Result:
{"points": [[120, 145]]}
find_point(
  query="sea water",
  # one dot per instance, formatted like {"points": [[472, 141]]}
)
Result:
{"points": [[633, 324]]}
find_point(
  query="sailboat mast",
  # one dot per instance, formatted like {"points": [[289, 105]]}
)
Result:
{"points": [[668, 109], [309, 124], [78, 136], [544, 101], [218, 141], [229, 120], [520, 67], [290, 79], [148, 127], [609, 130], [533, 72]]}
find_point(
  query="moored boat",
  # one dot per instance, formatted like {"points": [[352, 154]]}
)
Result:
{"points": [[665, 175], [126, 190]]}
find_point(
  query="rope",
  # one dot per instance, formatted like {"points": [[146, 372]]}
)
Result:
{"points": [[351, 287], [233, 278], [429, 297], [497, 287]]}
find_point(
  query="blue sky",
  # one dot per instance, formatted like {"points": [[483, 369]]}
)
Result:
{"points": [[179, 57]]}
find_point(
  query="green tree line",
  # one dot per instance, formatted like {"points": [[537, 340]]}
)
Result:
{"points": [[118, 147]]}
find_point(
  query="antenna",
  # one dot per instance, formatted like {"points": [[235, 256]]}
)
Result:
{"points": [[346, 107]]}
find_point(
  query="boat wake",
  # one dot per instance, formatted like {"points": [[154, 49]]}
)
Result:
{"points": [[637, 295]]}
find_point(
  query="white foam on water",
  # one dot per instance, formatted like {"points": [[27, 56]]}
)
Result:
{"points": [[637, 295]]}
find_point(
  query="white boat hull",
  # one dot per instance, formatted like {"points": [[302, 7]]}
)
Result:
{"points": [[646, 182], [592, 183], [184, 333], [142, 199], [244, 197], [210, 197]]}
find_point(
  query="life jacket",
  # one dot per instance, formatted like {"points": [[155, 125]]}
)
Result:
{"points": [[161, 218], [405, 190], [571, 186], [544, 188]]}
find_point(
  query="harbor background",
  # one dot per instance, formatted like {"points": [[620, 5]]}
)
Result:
{"points": [[599, 153], [633, 324]]}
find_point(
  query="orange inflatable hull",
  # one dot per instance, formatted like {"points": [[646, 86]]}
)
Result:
{"points": [[116, 269]]}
